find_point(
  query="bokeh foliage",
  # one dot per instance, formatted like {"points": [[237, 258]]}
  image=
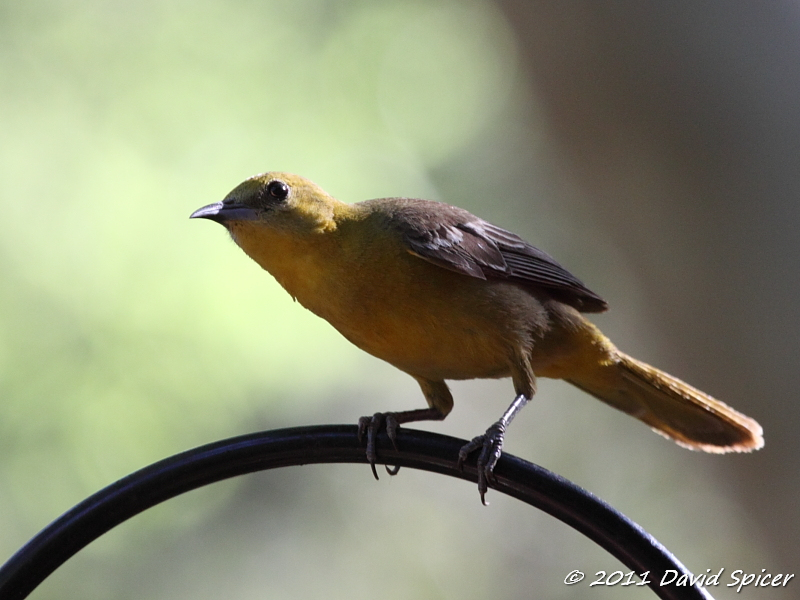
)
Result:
{"points": [[128, 333]]}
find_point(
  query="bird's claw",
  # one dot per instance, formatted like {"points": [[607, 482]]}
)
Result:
{"points": [[371, 426], [491, 446]]}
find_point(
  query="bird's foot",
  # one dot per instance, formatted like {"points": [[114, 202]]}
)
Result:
{"points": [[372, 426], [491, 447]]}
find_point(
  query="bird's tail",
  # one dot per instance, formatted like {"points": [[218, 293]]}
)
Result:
{"points": [[671, 407]]}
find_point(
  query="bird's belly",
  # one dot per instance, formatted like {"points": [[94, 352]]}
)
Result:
{"points": [[446, 337], [440, 350], [427, 321]]}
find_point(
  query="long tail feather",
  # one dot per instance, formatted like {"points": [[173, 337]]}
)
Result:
{"points": [[673, 408]]}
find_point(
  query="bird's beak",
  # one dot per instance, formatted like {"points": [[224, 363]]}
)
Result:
{"points": [[223, 212]]}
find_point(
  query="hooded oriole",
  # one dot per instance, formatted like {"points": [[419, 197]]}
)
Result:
{"points": [[441, 294]]}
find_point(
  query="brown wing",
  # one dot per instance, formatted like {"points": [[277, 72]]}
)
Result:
{"points": [[455, 239]]}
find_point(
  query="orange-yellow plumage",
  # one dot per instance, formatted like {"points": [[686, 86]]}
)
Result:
{"points": [[442, 294]]}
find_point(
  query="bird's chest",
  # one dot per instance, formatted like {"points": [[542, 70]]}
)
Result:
{"points": [[412, 318], [412, 314]]}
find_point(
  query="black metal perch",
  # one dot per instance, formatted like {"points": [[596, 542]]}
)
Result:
{"points": [[532, 484]]}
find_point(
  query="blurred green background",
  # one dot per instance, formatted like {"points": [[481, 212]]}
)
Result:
{"points": [[653, 150]]}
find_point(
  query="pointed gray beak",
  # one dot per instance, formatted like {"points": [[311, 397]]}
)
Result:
{"points": [[222, 212]]}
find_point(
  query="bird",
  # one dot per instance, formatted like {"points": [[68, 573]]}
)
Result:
{"points": [[444, 295]]}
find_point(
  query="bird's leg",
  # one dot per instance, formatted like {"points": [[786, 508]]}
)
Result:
{"points": [[491, 445], [392, 420]]}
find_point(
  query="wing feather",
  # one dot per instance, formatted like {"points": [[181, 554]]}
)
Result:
{"points": [[455, 239]]}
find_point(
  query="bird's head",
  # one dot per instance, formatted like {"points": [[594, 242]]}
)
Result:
{"points": [[277, 202]]}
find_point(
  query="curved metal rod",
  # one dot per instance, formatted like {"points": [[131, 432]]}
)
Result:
{"points": [[192, 469]]}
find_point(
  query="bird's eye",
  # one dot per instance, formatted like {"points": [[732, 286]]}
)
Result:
{"points": [[278, 189]]}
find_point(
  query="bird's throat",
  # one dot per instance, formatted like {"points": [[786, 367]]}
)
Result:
{"points": [[297, 263]]}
